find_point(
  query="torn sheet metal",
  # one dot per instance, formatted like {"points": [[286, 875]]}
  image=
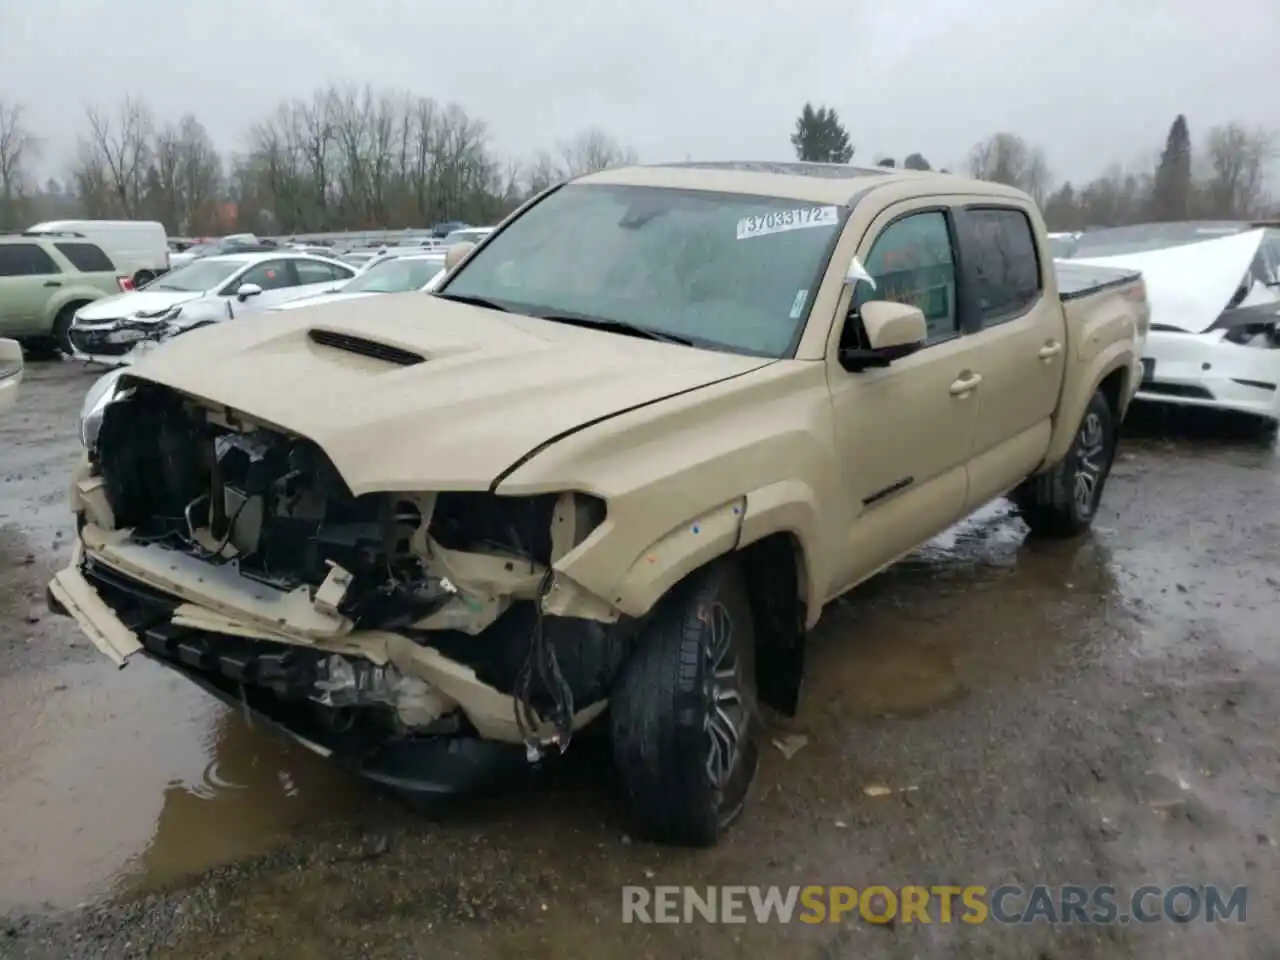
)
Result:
{"points": [[1190, 285]]}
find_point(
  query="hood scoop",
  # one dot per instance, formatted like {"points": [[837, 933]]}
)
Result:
{"points": [[366, 348]]}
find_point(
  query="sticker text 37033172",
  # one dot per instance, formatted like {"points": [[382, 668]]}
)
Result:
{"points": [[781, 221]]}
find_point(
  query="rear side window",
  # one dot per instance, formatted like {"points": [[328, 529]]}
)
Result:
{"points": [[314, 271], [1001, 262], [25, 260], [86, 257]]}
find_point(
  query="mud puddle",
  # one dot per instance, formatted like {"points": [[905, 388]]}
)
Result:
{"points": [[111, 782]]}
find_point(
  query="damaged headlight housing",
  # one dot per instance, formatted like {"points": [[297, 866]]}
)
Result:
{"points": [[96, 401]]}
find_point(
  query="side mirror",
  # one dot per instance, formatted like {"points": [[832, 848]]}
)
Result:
{"points": [[247, 290], [457, 253], [894, 330]]}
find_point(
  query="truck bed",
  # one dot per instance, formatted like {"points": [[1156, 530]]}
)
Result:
{"points": [[1077, 280]]}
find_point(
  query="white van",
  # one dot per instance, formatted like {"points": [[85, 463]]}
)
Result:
{"points": [[139, 248]]}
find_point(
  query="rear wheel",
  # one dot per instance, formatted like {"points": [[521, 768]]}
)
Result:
{"points": [[1063, 501], [685, 717]]}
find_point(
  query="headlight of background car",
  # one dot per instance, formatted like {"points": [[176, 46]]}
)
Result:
{"points": [[96, 401]]}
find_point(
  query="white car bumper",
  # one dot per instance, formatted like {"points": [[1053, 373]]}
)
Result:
{"points": [[9, 382], [1206, 370]]}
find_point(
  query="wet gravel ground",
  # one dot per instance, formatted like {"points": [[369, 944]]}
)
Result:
{"points": [[991, 711]]}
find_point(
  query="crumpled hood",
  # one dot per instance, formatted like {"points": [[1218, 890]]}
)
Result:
{"points": [[133, 303], [1189, 286], [493, 387]]}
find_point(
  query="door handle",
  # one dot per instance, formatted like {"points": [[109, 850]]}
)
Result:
{"points": [[52, 283], [1050, 350], [967, 382]]}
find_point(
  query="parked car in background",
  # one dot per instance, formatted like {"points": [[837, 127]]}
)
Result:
{"points": [[1215, 300], [116, 330], [442, 230], [139, 249], [44, 280], [358, 258], [11, 366], [1061, 244], [467, 235], [393, 274], [236, 243], [614, 467]]}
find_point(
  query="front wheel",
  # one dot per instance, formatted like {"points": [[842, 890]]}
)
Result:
{"points": [[685, 716], [1062, 502]]}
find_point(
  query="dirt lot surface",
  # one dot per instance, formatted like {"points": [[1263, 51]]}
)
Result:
{"points": [[1102, 711]]}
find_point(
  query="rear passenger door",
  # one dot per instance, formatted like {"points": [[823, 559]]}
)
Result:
{"points": [[1021, 334], [29, 279]]}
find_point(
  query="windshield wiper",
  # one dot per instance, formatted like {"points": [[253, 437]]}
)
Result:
{"points": [[473, 301], [617, 326]]}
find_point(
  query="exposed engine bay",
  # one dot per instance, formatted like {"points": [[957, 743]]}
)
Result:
{"points": [[409, 597]]}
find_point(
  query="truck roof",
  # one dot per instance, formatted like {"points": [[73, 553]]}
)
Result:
{"points": [[813, 182]]}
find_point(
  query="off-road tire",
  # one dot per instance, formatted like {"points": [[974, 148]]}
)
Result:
{"points": [[662, 706], [1062, 502], [62, 328]]}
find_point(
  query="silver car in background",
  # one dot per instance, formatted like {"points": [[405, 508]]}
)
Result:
{"points": [[392, 274]]}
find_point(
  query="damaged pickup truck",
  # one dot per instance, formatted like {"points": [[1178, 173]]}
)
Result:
{"points": [[613, 467]]}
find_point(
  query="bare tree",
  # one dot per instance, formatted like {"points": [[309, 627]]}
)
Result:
{"points": [[185, 179], [1008, 159], [592, 150], [17, 149], [1236, 161], [1117, 197], [117, 149]]}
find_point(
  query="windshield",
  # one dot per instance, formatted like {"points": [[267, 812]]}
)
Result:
{"points": [[395, 276], [722, 270], [196, 277], [1147, 237]]}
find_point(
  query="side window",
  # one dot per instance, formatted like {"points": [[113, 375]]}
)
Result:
{"points": [[86, 257], [25, 260], [1001, 262], [912, 262], [269, 275], [313, 271]]}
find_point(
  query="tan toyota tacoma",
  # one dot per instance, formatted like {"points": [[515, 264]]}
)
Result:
{"points": [[621, 458]]}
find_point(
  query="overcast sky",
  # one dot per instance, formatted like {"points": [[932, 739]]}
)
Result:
{"points": [[1091, 81]]}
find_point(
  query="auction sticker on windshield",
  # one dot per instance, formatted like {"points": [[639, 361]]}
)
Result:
{"points": [[780, 221]]}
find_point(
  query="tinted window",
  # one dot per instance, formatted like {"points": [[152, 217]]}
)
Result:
{"points": [[1001, 261], [86, 257], [313, 271], [269, 275], [912, 262], [25, 260]]}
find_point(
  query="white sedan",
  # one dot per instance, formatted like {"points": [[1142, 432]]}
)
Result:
{"points": [[394, 274], [112, 330], [10, 373]]}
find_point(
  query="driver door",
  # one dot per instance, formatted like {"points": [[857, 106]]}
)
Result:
{"points": [[905, 431]]}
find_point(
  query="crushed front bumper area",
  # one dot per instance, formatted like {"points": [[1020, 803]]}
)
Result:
{"points": [[124, 618], [115, 343]]}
